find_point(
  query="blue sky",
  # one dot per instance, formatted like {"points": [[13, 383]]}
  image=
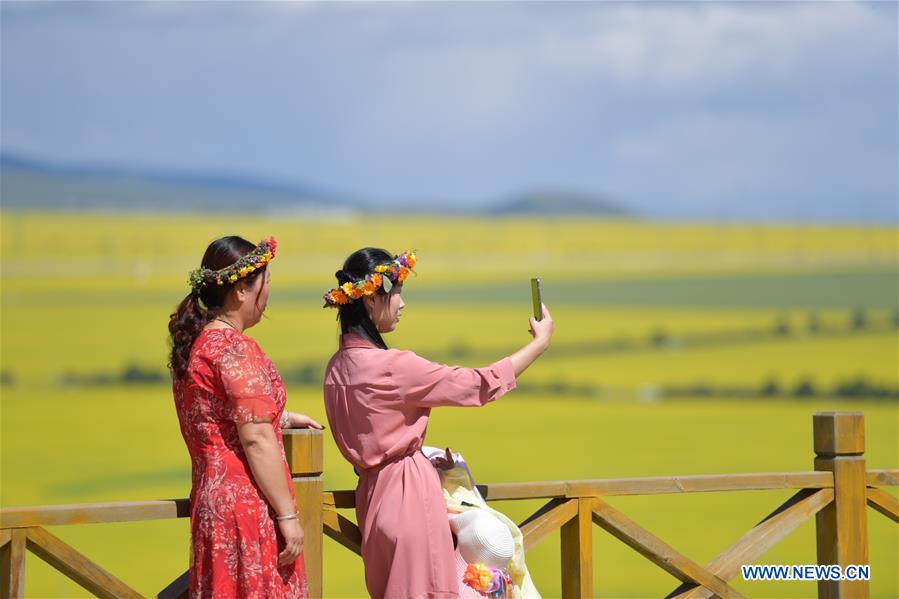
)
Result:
{"points": [[764, 111]]}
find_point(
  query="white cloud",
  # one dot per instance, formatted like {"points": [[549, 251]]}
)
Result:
{"points": [[689, 45]]}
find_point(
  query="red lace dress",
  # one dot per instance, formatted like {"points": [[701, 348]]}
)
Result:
{"points": [[234, 538]]}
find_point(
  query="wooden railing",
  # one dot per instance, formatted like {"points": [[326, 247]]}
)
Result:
{"points": [[836, 493]]}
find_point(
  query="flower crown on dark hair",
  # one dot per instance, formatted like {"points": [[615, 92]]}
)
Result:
{"points": [[254, 260], [385, 275]]}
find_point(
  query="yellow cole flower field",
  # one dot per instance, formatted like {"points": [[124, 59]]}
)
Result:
{"points": [[682, 348]]}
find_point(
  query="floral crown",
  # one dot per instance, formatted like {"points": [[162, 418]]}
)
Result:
{"points": [[261, 255], [385, 275]]}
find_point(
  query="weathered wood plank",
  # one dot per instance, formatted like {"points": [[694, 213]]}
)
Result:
{"points": [[342, 530], [577, 552], [752, 545], [77, 567], [12, 565], [526, 490], [546, 520], [838, 433], [303, 450], [652, 485], [701, 483], [882, 478], [884, 503], [127, 511], [341, 500], [177, 589], [308, 491], [842, 526], [656, 550]]}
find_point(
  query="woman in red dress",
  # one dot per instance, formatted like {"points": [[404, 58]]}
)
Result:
{"points": [[246, 539]]}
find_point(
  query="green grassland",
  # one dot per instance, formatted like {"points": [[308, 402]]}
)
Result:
{"points": [[88, 294]]}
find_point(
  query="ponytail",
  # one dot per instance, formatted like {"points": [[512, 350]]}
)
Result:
{"points": [[185, 325]]}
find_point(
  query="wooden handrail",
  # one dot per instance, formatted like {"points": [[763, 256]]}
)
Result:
{"points": [[653, 485], [93, 513], [135, 511], [835, 493]]}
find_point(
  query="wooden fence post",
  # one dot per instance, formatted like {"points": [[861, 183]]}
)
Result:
{"points": [[303, 448], [12, 563], [842, 526], [577, 552]]}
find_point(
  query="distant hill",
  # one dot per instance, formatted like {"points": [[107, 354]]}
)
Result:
{"points": [[30, 184], [27, 184], [554, 203]]}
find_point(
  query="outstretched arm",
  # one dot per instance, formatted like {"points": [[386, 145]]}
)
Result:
{"points": [[429, 384]]}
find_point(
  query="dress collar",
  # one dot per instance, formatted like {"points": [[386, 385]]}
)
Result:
{"points": [[351, 340]]}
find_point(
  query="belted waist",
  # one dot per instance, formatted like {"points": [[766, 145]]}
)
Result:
{"points": [[387, 462]]}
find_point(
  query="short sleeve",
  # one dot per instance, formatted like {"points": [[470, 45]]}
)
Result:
{"points": [[429, 384], [244, 372]]}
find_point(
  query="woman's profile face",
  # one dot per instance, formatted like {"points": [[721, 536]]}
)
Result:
{"points": [[255, 299], [386, 310]]}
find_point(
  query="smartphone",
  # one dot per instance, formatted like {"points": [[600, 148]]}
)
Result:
{"points": [[537, 296]]}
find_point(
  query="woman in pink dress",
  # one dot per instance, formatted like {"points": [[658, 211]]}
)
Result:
{"points": [[378, 401], [246, 539]]}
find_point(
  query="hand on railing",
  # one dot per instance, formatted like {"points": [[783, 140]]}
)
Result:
{"points": [[293, 538], [295, 420]]}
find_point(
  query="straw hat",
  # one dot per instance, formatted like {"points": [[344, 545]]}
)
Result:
{"points": [[483, 539]]}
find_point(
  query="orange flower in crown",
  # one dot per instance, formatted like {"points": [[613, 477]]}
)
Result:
{"points": [[385, 276], [337, 298]]}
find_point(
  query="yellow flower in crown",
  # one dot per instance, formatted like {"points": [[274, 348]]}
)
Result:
{"points": [[411, 259], [232, 278], [244, 271], [382, 268], [347, 288]]}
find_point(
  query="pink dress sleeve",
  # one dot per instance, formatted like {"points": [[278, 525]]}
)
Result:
{"points": [[429, 384], [244, 373]]}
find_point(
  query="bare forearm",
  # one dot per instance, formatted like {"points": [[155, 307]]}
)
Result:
{"points": [[264, 457], [526, 356]]}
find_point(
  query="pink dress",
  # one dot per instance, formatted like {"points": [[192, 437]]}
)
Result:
{"points": [[234, 539], [378, 403]]}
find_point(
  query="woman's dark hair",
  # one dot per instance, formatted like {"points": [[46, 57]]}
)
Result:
{"points": [[353, 317], [199, 307]]}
